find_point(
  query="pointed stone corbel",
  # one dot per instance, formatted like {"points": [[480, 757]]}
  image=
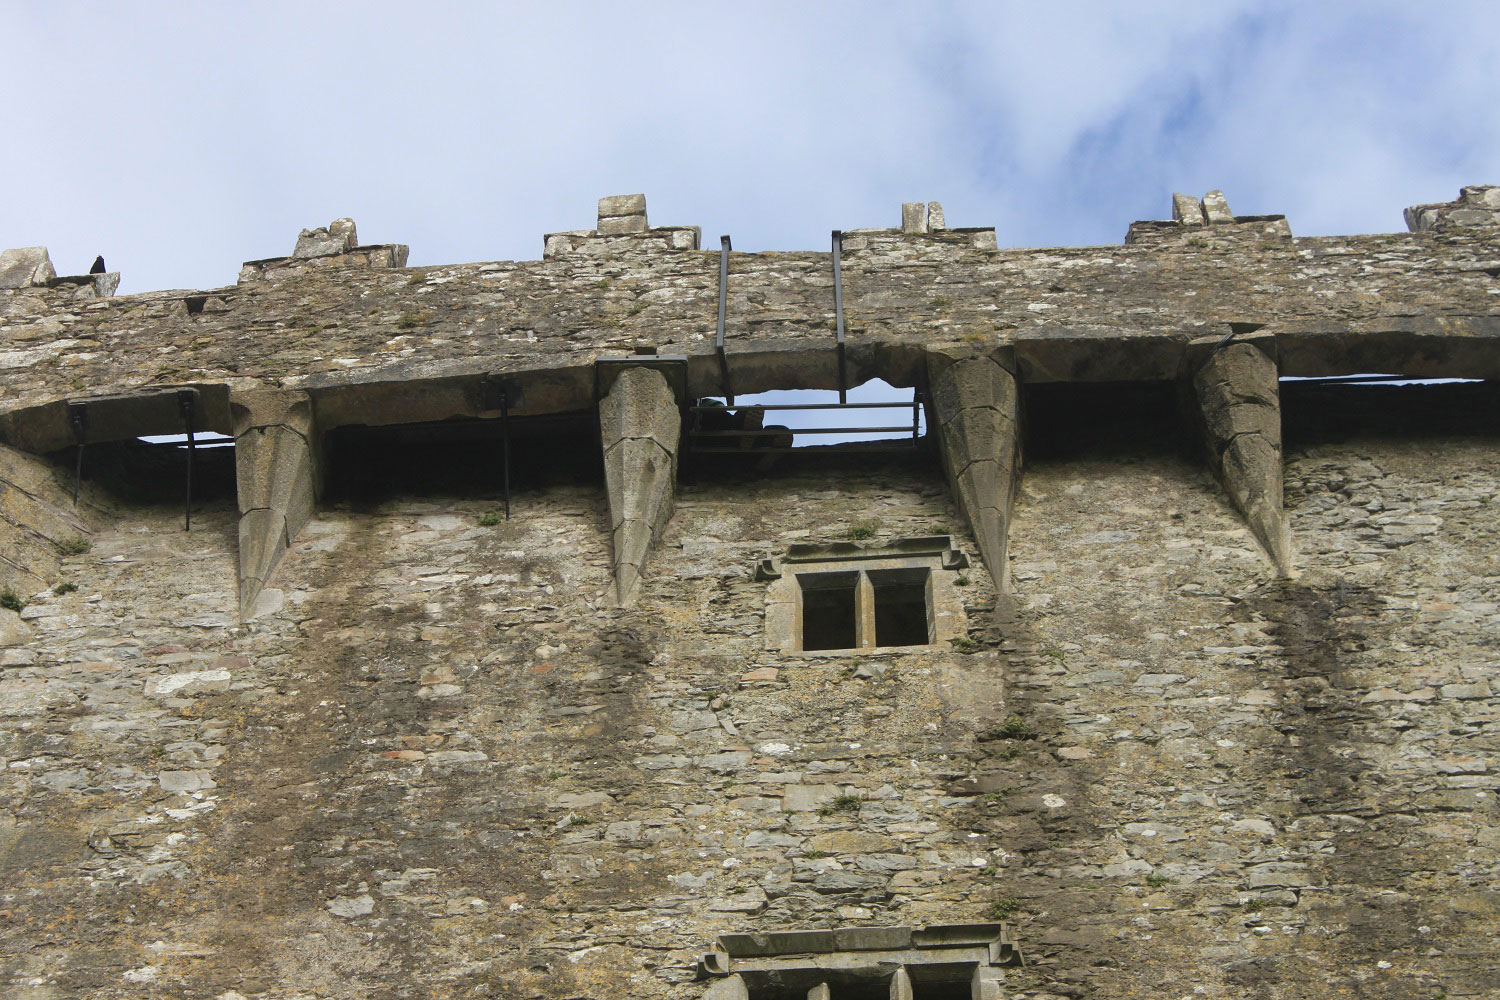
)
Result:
{"points": [[901, 984], [976, 406], [277, 473], [640, 426], [1238, 390]]}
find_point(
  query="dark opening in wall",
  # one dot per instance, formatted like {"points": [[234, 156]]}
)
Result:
{"points": [[1321, 411], [901, 603], [154, 470], [460, 457], [829, 609], [1072, 420]]}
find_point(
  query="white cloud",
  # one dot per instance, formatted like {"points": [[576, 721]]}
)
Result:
{"points": [[180, 140]]}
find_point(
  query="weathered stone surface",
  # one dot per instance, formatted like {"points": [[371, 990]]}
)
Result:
{"points": [[975, 404], [935, 219], [25, 267], [1187, 210], [913, 217], [1238, 389], [277, 482], [1216, 208], [622, 205], [1478, 205], [325, 241], [639, 427]]}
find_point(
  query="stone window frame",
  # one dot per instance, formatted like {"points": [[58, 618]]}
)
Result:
{"points": [[935, 555]]}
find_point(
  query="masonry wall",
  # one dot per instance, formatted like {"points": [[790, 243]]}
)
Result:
{"points": [[447, 767]]}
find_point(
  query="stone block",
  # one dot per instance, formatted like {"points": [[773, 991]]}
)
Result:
{"points": [[732, 988], [25, 267], [935, 220], [1216, 208], [326, 241], [1187, 210], [622, 204], [622, 225], [913, 217]]}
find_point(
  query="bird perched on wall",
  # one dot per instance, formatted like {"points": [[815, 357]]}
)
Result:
{"points": [[98, 267]]}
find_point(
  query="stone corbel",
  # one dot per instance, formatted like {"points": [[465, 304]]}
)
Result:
{"points": [[640, 427], [277, 475], [976, 408], [1236, 383]]}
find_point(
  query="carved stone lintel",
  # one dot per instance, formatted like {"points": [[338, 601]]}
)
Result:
{"points": [[975, 401], [1239, 392], [640, 427]]}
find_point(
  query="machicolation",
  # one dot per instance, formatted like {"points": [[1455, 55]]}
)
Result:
{"points": [[513, 629]]}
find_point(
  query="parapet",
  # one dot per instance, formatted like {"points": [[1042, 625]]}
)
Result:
{"points": [[31, 267], [334, 246], [1477, 205], [921, 219], [621, 225], [1207, 215]]}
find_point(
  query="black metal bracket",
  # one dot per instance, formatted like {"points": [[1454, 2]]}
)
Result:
{"points": [[187, 401], [495, 394], [838, 313], [724, 385], [78, 419]]}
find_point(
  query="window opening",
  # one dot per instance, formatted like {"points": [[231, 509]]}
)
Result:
{"points": [[1327, 410], [901, 599], [878, 415], [829, 610]]}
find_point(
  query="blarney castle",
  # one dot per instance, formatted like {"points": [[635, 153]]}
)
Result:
{"points": [[487, 631]]}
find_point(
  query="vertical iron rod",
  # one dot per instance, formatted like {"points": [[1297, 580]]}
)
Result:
{"points": [[185, 404], [724, 385], [916, 415], [838, 312], [505, 448], [78, 418]]}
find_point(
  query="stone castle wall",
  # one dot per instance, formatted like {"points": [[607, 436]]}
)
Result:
{"points": [[439, 756]]}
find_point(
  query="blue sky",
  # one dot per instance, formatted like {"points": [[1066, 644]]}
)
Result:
{"points": [[181, 139]]}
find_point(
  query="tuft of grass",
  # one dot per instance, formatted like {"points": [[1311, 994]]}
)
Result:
{"points": [[841, 803], [1002, 908], [861, 530], [75, 546], [1013, 728], [992, 798], [961, 581], [489, 518], [66, 587], [555, 775], [941, 302], [1157, 881], [410, 320], [964, 644], [11, 601]]}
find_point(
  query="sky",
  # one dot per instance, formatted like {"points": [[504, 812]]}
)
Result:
{"points": [[180, 139]]}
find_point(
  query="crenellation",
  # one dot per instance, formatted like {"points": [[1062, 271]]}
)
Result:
{"points": [[331, 247], [1477, 205]]}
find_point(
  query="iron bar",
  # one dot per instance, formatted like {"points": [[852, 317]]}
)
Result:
{"points": [[505, 448], [801, 406], [852, 448], [916, 415], [185, 401], [759, 431], [724, 384], [838, 313], [78, 419]]}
